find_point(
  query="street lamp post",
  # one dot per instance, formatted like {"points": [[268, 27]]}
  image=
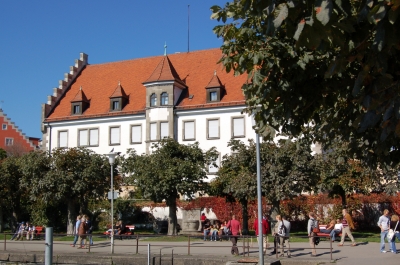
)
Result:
{"points": [[259, 199], [111, 160]]}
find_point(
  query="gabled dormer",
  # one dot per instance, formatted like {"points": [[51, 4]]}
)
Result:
{"points": [[80, 103], [214, 89], [118, 99]]}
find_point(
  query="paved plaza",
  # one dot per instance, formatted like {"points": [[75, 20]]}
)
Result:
{"points": [[364, 253]]}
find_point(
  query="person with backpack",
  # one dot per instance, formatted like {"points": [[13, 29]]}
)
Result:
{"points": [[311, 227], [279, 234]]}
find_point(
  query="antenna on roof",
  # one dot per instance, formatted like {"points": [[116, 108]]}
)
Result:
{"points": [[188, 25], [165, 49]]}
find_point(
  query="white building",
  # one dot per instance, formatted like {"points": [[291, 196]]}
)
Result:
{"points": [[130, 104]]}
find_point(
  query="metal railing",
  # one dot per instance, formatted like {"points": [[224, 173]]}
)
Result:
{"points": [[247, 242]]}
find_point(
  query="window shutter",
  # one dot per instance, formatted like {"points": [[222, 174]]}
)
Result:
{"points": [[164, 130], [114, 139], [213, 128], [136, 136], [94, 137], [189, 130], [238, 127], [153, 131], [63, 139]]}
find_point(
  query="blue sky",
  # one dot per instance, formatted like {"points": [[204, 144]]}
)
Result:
{"points": [[39, 40]]}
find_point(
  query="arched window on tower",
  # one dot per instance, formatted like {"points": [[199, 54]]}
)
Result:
{"points": [[153, 100], [164, 98]]}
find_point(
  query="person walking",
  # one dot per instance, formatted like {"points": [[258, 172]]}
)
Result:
{"points": [[279, 233], [78, 222], [347, 223], [312, 223], [395, 225], [235, 228], [90, 230], [384, 223], [82, 229], [265, 230], [287, 224]]}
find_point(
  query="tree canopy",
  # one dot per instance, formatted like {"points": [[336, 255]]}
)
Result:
{"points": [[170, 171], [326, 68]]}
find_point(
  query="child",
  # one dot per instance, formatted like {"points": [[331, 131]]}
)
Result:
{"points": [[214, 232]]}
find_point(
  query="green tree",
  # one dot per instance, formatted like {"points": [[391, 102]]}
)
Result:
{"points": [[10, 192], [3, 154], [170, 171], [286, 171], [329, 64], [237, 177], [72, 176]]}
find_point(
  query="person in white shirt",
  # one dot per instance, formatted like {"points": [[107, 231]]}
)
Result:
{"points": [[336, 230], [383, 224], [30, 231]]}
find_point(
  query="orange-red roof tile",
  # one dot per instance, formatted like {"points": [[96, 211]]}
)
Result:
{"points": [[80, 96], [214, 82], [118, 92], [193, 68]]}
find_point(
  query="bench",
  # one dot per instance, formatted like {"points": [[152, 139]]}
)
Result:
{"points": [[39, 230], [320, 234], [129, 231]]}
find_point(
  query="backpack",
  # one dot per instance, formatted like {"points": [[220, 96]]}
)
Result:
{"points": [[282, 229]]}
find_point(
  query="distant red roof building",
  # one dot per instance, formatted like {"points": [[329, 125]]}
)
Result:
{"points": [[13, 140]]}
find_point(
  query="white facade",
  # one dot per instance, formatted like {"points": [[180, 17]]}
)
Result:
{"points": [[125, 132]]}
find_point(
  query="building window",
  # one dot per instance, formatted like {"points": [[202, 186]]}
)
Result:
{"points": [[164, 98], [88, 137], [213, 96], [62, 139], [188, 130], [153, 100], [238, 127], [9, 141], [76, 109], [4, 126], [83, 138], [114, 135], [214, 169], [136, 134], [213, 129], [116, 105], [164, 130], [153, 131]]}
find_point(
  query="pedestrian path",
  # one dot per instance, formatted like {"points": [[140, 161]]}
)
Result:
{"points": [[364, 253]]}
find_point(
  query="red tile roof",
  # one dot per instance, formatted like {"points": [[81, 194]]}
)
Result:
{"points": [[193, 68], [214, 82], [118, 92], [80, 96]]}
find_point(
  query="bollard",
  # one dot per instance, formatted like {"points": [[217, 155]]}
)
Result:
{"points": [[49, 246], [148, 254], [172, 258], [188, 245], [137, 244], [5, 241]]}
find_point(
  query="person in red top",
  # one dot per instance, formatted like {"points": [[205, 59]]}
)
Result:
{"points": [[235, 228], [202, 220], [265, 229]]}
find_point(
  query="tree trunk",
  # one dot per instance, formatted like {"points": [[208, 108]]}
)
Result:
{"points": [[172, 219], [1, 220], [245, 215], [71, 217], [275, 210]]}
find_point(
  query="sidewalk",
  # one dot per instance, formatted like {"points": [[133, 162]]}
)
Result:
{"points": [[364, 253]]}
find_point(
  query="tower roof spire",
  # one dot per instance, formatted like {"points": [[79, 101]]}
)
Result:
{"points": [[165, 49]]}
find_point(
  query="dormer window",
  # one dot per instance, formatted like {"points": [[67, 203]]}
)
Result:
{"points": [[213, 96], [214, 89], [164, 98], [118, 99], [153, 100], [76, 109], [79, 104]]}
